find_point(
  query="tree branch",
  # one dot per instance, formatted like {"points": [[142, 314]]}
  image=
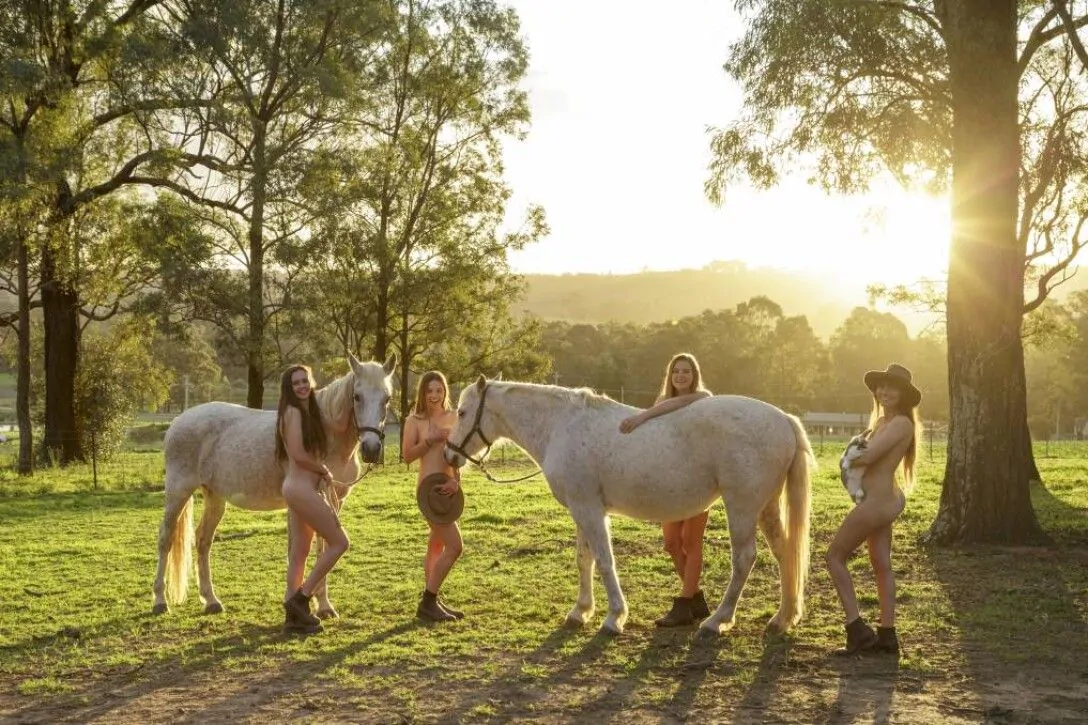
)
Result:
{"points": [[1071, 31]]}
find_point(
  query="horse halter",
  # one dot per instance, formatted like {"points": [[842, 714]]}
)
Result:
{"points": [[360, 429], [475, 430]]}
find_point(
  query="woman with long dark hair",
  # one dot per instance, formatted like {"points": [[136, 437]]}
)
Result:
{"points": [[301, 446]]}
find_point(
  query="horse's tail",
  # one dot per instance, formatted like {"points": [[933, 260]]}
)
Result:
{"points": [[179, 559], [798, 494]]}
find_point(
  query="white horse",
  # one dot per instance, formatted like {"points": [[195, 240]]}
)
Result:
{"points": [[751, 454], [229, 451]]}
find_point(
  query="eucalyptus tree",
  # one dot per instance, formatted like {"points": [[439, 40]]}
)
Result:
{"points": [[82, 82], [982, 98], [415, 225], [285, 73]]}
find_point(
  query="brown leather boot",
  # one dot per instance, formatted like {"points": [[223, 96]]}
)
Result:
{"points": [[292, 625], [679, 616], [297, 607], [886, 641], [430, 610], [859, 637], [699, 608]]}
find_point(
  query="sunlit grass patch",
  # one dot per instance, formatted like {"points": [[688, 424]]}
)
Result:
{"points": [[79, 565]]}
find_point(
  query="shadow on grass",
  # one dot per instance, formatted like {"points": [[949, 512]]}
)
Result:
{"points": [[1020, 613], [866, 689], [187, 691]]}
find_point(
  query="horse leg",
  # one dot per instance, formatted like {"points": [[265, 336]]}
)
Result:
{"points": [[214, 505], [594, 526], [583, 609], [175, 550], [771, 524], [742, 539]]}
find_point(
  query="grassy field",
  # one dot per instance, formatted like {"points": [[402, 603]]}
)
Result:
{"points": [[989, 634]]}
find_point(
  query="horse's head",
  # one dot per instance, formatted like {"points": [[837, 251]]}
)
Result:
{"points": [[473, 434], [373, 386]]}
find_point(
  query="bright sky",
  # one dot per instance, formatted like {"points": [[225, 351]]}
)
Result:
{"points": [[622, 94]]}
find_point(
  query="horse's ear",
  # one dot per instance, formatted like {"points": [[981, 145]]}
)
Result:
{"points": [[481, 381], [390, 363], [355, 364], [499, 376]]}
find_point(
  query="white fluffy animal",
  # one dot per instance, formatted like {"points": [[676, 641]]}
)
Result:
{"points": [[851, 475], [748, 453], [228, 452]]}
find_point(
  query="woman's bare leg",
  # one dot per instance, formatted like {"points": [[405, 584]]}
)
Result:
{"points": [[859, 525], [312, 508], [452, 545], [880, 556], [434, 550], [299, 538]]}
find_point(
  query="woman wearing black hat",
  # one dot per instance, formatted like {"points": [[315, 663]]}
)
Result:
{"points": [[438, 489], [894, 425]]}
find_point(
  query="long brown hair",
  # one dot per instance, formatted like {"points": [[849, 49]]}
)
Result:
{"points": [[668, 390], [419, 408], [912, 449], [313, 430]]}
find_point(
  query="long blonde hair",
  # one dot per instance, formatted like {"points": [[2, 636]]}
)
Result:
{"points": [[668, 390], [912, 450], [419, 408]]}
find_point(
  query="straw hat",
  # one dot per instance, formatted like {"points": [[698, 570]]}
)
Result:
{"points": [[899, 377], [437, 507]]}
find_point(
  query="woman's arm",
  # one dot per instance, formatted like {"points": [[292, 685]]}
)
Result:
{"points": [[888, 436], [417, 441], [292, 441], [668, 405]]}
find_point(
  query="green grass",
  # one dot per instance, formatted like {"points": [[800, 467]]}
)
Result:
{"points": [[77, 640]]}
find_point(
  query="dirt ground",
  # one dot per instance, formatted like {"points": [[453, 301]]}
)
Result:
{"points": [[794, 684]]}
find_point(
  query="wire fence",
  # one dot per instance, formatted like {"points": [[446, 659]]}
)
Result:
{"points": [[140, 464]]}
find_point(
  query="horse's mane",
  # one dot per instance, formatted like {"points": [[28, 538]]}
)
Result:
{"points": [[586, 397], [336, 398]]}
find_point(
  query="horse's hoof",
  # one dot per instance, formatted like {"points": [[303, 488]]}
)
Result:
{"points": [[329, 613], [612, 629], [705, 634], [160, 608], [213, 608], [573, 622]]}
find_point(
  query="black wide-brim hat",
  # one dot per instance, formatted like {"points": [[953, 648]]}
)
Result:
{"points": [[438, 507], [899, 377]]}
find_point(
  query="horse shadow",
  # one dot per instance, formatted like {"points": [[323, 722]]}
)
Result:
{"points": [[759, 697], [107, 699]]}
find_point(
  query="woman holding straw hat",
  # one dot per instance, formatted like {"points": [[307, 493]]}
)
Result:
{"points": [[438, 489], [894, 424]]}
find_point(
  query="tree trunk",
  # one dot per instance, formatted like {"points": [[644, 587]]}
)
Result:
{"points": [[381, 318], [986, 495], [255, 332], [405, 371], [60, 313], [22, 383]]}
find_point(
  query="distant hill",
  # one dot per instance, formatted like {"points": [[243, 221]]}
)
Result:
{"points": [[662, 296]]}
